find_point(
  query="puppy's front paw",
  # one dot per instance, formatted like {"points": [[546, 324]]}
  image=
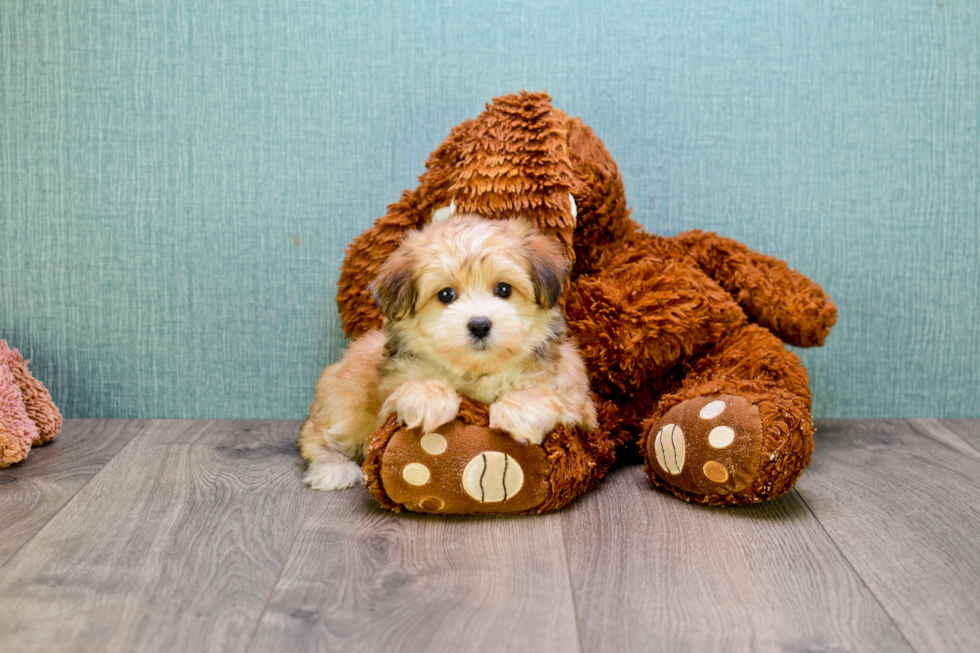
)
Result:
{"points": [[427, 402], [527, 415], [333, 475]]}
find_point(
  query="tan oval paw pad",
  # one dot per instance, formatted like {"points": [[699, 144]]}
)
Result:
{"points": [[433, 444], [492, 476], [669, 447], [432, 504], [715, 471], [712, 410], [416, 474], [721, 436]]}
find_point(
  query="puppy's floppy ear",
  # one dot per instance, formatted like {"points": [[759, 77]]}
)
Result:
{"points": [[394, 288], [549, 268]]}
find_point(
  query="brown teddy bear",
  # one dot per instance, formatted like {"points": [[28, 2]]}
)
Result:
{"points": [[683, 336]]}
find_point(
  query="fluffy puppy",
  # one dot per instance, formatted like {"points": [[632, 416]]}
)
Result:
{"points": [[470, 307]]}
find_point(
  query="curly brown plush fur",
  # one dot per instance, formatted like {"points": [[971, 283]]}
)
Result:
{"points": [[666, 325]]}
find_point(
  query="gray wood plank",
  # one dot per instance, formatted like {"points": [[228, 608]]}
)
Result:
{"points": [[175, 546], [652, 573], [968, 430], [947, 433], [902, 505], [35, 489], [361, 578]]}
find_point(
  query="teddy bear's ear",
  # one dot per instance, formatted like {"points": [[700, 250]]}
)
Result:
{"points": [[549, 268], [394, 288]]}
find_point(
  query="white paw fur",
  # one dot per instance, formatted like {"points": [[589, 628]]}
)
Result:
{"points": [[428, 402], [333, 474], [527, 415]]}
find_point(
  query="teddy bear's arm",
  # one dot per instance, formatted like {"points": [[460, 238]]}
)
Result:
{"points": [[773, 295], [358, 312]]}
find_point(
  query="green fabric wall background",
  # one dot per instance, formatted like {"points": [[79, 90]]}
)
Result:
{"points": [[178, 179]]}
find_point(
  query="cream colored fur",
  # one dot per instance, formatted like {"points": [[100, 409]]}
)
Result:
{"points": [[417, 367]]}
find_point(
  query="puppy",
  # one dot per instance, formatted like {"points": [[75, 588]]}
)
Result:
{"points": [[470, 307]]}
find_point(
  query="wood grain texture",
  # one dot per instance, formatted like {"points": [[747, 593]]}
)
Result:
{"points": [[201, 536], [175, 546], [967, 430], [34, 490], [363, 579], [652, 573], [900, 500]]}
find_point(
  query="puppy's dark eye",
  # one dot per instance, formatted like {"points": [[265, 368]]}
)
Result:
{"points": [[502, 290], [447, 295]]}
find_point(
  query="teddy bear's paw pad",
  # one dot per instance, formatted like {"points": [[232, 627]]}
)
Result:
{"points": [[461, 469], [492, 476], [708, 445]]}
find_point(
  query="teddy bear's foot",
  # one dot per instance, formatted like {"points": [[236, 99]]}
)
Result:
{"points": [[466, 467], [459, 469], [710, 445], [727, 449]]}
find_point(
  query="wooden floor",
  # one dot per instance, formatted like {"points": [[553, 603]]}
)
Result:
{"points": [[199, 536]]}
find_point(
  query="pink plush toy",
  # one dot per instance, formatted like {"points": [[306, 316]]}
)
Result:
{"points": [[28, 417]]}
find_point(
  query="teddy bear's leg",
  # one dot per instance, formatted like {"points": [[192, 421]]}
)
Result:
{"points": [[465, 467], [738, 430]]}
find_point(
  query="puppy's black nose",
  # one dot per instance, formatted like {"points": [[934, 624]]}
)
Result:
{"points": [[479, 327]]}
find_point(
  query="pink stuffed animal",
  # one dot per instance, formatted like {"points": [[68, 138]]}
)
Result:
{"points": [[28, 417]]}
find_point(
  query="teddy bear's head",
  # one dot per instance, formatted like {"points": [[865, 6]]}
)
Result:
{"points": [[511, 160], [520, 157], [523, 157]]}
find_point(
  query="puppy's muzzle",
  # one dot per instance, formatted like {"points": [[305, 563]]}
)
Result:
{"points": [[479, 327]]}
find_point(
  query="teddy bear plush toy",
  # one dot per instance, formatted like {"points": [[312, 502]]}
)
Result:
{"points": [[28, 417], [683, 336]]}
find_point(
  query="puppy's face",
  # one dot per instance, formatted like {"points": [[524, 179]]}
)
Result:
{"points": [[472, 295]]}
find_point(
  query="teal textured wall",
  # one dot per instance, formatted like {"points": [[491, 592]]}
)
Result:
{"points": [[178, 179]]}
